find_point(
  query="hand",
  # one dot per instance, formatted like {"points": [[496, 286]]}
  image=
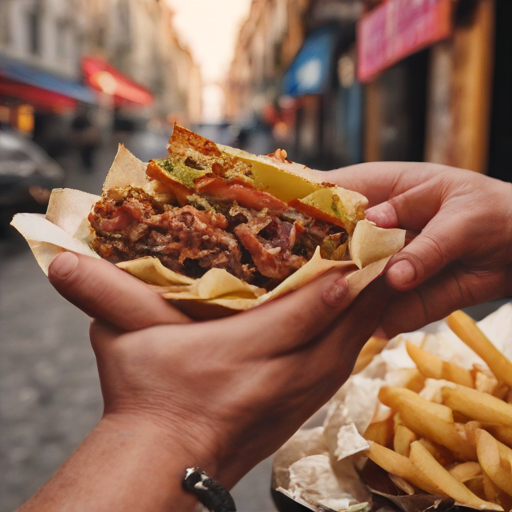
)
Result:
{"points": [[462, 254], [222, 394]]}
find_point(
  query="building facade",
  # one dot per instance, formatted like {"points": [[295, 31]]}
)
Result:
{"points": [[443, 97], [268, 41], [134, 37]]}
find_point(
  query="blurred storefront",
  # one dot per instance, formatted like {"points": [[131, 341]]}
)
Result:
{"points": [[25, 90], [38, 75], [429, 70], [383, 80], [322, 80], [106, 59]]}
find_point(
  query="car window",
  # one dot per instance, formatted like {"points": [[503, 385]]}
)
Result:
{"points": [[13, 155]]}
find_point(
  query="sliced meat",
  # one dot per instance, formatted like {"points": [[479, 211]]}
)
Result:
{"points": [[260, 245], [241, 193], [186, 240], [271, 262]]}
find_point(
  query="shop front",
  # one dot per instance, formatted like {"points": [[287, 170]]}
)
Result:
{"points": [[26, 91], [328, 98], [430, 68]]}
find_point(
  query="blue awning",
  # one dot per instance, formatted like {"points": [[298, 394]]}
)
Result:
{"points": [[15, 70], [309, 72]]}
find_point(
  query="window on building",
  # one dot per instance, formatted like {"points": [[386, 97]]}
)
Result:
{"points": [[61, 40], [5, 19], [34, 31]]}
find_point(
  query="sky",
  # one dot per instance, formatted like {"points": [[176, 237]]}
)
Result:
{"points": [[209, 28]]}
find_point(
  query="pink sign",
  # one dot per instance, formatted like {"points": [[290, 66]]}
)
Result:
{"points": [[398, 28]]}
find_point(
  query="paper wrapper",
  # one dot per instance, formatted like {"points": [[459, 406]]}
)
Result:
{"points": [[218, 293], [354, 407]]}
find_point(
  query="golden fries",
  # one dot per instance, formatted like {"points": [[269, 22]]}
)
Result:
{"points": [[370, 349], [466, 471], [467, 330], [477, 405], [435, 368], [401, 466], [495, 464], [501, 433], [380, 432], [462, 447], [440, 477], [440, 453], [403, 439], [393, 397], [436, 429]]}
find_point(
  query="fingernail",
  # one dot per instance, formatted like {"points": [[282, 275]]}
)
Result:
{"points": [[402, 272], [383, 215], [63, 265], [336, 293]]}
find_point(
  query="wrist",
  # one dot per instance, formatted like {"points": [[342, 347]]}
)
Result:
{"points": [[176, 441], [126, 463]]}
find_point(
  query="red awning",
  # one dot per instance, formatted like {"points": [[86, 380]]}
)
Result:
{"points": [[103, 77], [39, 98]]}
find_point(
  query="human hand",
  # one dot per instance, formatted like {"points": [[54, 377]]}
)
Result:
{"points": [[462, 254], [228, 391]]}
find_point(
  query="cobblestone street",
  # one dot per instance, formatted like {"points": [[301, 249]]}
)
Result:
{"points": [[49, 390]]}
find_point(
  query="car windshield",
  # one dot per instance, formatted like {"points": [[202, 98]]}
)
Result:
{"points": [[18, 148]]}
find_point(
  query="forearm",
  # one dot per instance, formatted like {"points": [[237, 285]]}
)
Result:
{"points": [[123, 464]]}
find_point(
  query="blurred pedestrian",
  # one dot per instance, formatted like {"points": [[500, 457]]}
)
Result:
{"points": [[86, 138]]}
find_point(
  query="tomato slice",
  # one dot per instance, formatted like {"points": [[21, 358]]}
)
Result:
{"points": [[243, 194], [315, 213]]}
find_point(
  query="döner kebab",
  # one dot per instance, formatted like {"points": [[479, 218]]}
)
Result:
{"points": [[209, 207]]}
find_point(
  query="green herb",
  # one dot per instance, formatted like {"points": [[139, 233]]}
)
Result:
{"points": [[182, 173]]}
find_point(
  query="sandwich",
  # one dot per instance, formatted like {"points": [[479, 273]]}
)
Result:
{"points": [[208, 206], [214, 229]]}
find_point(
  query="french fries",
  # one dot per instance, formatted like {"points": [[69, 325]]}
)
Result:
{"points": [[440, 453], [462, 447], [423, 461], [403, 439], [477, 405], [435, 368], [466, 471], [370, 349], [394, 397], [400, 466], [494, 461], [436, 429], [501, 433], [379, 432], [467, 330]]}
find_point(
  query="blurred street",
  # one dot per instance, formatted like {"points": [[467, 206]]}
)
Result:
{"points": [[49, 390]]}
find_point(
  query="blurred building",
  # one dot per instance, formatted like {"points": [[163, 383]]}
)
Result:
{"points": [[57, 56], [267, 43], [362, 80], [39, 60], [137, 38], [285, 71]]}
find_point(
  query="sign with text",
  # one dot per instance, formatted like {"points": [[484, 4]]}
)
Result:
{"points": [[398, 28]]}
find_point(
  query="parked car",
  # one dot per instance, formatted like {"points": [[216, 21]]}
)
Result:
{"points": [[27, 176]]}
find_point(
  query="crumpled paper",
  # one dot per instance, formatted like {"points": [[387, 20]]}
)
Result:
{"points": [[356, 405], [217, 293]]}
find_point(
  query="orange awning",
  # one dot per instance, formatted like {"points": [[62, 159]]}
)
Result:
{"points": [[103, 77]]}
